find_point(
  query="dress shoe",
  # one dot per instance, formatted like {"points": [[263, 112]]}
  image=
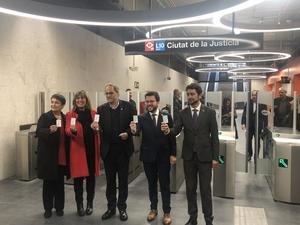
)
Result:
{"points": [[59, 212], [47, 214], [152, 215], [209, 220], [80, 210], [123, 215], [191, 221], [167, 219], [89, 208], [108, 214]]}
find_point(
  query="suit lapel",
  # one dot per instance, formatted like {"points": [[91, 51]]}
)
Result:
{"points": [[122, 119], [189, 116], [149, 118], [201, 115], [159, 121], [107, 117]]}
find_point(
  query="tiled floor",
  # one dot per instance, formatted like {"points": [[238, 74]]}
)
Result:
{"points": [[20, 204]]}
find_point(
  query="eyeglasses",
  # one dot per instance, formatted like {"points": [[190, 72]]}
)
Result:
{"points": [[109, 93]]}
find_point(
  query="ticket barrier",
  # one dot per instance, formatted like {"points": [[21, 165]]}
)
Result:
{"points": [[26, 161], [224, 173], [286, 167]]}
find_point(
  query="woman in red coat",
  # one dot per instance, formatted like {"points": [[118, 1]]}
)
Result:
{"points": [[84, 150]]}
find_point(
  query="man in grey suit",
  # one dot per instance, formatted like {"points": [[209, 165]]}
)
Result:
{"points": [[200, 151]]}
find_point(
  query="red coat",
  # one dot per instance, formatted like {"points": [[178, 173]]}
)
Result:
{"points": [[78, 160]]}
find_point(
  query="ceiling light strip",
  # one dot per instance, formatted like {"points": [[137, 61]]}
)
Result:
{"points": [[272, 56], [127, 18], [247, 77], [253, 70]]}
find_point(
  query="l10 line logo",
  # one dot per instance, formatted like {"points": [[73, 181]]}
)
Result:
{"points": [[152, 46]]}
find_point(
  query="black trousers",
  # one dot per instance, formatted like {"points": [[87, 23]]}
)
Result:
{"points": [[250, 148], [154, 172], [192, 170], [54, 192], [116, 163], [90, 188]]}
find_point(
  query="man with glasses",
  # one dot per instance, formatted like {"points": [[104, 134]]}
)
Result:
{"points": [[116, 149]]}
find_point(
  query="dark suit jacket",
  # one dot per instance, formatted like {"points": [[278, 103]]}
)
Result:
{"points": [[126, 116], [48, 147], [155, 146], [262, 120], [204, 138]]}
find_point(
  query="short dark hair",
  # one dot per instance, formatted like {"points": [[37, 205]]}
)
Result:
{"points": [[153, 93], [60, 98], [194, 86]]}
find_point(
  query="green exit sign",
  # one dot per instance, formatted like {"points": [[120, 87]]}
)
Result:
{"points": [[283, 163], [221, 159]]}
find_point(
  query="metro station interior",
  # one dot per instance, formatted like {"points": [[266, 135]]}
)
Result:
{"points": [[240, 52]]}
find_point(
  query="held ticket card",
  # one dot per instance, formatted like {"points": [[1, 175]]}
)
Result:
{"points": [[97, 117], [165, 119], [135, 118], [58, 123], [73, 121]]}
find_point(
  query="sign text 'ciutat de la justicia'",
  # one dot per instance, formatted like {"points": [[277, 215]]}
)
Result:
{"points": [[196, 44]]}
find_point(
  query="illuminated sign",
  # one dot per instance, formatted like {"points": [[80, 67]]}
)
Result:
{"points": [[221, 159], [283, 163], [194, 44]]}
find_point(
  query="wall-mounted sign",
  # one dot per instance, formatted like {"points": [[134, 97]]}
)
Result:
{"points": [[195, 44], [283, 163]]}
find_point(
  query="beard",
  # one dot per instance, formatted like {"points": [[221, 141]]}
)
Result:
{"points": [[151, 109], [192, 101]]}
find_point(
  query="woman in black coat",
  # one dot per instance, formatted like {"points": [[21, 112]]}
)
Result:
{"points": [[52, 155]]}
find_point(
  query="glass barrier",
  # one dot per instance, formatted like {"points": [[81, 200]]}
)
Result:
{"points": [[214, 101], [283, 110], [263, 153], [240, 102]]}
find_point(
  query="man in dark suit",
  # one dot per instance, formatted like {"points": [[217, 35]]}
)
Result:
{"points": [[262, 121], [283, 110], [158, 151], [116, 148], [200, 151]]}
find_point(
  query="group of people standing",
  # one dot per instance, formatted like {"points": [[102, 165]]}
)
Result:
{"points": [[70, 146], [256, 120]]}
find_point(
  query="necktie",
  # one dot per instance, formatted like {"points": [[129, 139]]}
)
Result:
{"points": [[195, 117], [154, 119]]}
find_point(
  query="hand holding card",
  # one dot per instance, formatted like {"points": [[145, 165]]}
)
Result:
{"points": [[58, 123]]}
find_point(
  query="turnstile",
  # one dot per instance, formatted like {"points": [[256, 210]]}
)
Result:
{"points": [[177, 173], [135, 165], [26, 161], [224, 173], [286, 167]]}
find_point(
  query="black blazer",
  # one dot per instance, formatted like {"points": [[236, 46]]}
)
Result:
{"points": [[204, 138], [262, 119], [48, 147], [126, 116], [155, 146]]}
